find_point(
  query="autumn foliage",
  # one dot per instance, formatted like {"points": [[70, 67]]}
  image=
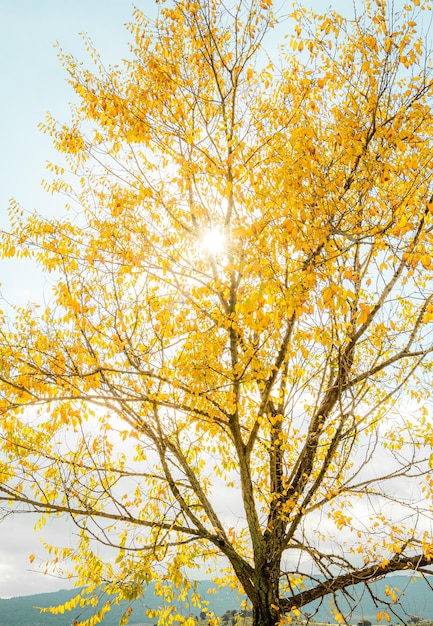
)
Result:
{"points": [[233, 373]]}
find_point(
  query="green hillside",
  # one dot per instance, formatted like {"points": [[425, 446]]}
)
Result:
{"points": [[21, 611], [416, 599]]}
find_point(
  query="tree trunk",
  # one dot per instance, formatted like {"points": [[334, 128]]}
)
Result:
{"points": [[265, 616], [266, 611]]}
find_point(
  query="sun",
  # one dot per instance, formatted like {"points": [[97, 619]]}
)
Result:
{"points": [[213, 241]]}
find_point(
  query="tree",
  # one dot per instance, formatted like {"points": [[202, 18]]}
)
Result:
{"points": [[235, 365]]}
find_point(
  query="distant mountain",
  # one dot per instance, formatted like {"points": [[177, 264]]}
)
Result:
{"points": [[416, 598], [21, 611]]}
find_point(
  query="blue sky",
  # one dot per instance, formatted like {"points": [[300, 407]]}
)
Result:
{"points": [[32, 82]]}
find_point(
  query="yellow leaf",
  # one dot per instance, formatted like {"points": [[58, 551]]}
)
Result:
{"points": [[383, 615], [425, 260]]}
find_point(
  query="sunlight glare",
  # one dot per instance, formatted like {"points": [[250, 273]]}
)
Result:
{"points": [[213, 241]]}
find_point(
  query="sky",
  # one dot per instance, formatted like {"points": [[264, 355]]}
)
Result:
{"points": [[33, 82]]}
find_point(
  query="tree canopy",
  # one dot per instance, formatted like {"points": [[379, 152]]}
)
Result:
{"points": [[233, 372]]}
